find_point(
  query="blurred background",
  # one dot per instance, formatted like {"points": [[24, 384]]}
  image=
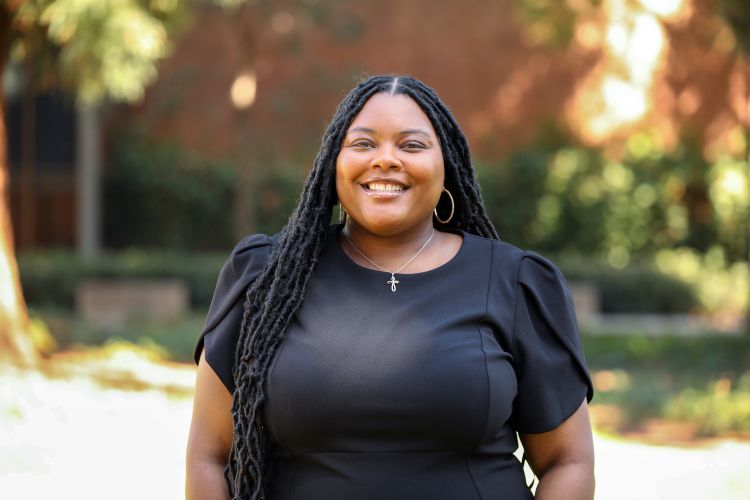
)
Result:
{"points": [[141, 139]]}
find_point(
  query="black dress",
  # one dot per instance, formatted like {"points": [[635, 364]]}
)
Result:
{"points": [[413, 394]]}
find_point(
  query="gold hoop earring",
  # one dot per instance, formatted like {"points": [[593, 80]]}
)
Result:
{"points": [[342, 214], [453, 207]]}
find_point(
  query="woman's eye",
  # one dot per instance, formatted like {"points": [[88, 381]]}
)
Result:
{"points": [[361, 144], [413, 145]]}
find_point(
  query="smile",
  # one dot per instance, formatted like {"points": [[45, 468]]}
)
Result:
{"points": [[384, 190], [383, 187]]}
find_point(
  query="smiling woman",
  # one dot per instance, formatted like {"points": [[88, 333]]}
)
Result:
{"points": [[400, 354], [389, 177]]}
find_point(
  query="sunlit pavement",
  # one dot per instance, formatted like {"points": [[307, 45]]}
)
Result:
{"points": [[71, 439], [635, 471]]}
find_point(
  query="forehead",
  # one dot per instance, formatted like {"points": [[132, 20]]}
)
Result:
{"points": [[383, 112]]}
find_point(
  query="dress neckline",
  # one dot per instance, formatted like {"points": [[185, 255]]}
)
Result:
{"points": [[342, 255]]}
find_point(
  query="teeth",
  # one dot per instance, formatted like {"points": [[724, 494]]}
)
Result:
{"points": [[384, 187]]}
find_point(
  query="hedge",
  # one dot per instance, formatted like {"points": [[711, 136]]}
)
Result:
{"points": [[50, 278]]}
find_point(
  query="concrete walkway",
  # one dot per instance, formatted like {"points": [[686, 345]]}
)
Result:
{"points": [[636, 471]]}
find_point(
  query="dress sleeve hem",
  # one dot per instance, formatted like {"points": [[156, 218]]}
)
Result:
{"points": [[553, 423], [546, 270], [547, 354], [244, 264]]}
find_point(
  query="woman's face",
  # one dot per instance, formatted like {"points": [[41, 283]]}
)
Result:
{"points": [[390, 173]]}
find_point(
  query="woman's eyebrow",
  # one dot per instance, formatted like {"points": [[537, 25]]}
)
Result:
{"points": [[410, 131], [362, 129], [407, 131]]}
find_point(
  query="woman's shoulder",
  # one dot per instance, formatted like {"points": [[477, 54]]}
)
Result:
{"points": [[504, 255], [246, 261], [509, 260], [244, 264], [247, 258], [253, 241]]}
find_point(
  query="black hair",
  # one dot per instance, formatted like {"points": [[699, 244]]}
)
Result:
{"points": [[274, 297]]}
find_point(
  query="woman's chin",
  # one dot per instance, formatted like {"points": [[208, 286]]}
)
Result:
{"points": [[387, 226]]}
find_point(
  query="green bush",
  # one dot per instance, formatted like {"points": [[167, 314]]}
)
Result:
{"points": [[49, 279], [556, 196], [718, 407], [158, 195], [703, 381], [277, 195], [638, 288], [174, 340], [711, 356]]}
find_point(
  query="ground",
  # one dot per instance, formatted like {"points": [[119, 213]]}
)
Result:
{"points": [[113, 424]]}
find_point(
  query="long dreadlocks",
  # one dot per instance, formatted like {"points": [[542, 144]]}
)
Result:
{"points": [[273, 298]]}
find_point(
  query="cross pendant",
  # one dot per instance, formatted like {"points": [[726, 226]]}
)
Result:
{"points": [[393, 282]]}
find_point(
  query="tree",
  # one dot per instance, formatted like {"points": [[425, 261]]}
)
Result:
{"points": [[94, 49]]}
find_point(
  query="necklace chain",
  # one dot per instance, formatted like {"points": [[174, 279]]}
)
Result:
{"points": [[393, 281]]}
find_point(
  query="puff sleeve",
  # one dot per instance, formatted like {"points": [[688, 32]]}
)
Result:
{"points": [[221, 330], [548, 359]]}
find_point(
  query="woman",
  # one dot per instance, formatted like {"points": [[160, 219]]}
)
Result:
{"points": [[398, 355]]}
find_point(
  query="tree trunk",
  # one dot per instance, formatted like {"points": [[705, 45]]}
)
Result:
{"points": [[88, 183], [15, 340]]}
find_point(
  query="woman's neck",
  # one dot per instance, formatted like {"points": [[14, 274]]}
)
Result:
{"points": [[388, 251]]}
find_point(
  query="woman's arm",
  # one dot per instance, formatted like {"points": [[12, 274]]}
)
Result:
{"points": [[210, 438], [563, 459]]}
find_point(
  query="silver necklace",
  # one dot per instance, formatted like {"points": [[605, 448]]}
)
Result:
{"points": [[393, 281]]}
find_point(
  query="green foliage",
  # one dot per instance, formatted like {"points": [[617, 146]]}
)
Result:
{"points": [[694, 357], [704, 381], [185, 202], [719, 285], [50, 278], [637, 288], [737, 15], [575, 200], [669, 207], [550, 22], [41, 336], [100, 48], [157, 195], [729, 191], [276, 196], [718, 407], [174, 341]]}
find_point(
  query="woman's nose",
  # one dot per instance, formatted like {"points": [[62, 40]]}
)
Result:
{"points": [[386, 156]]}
